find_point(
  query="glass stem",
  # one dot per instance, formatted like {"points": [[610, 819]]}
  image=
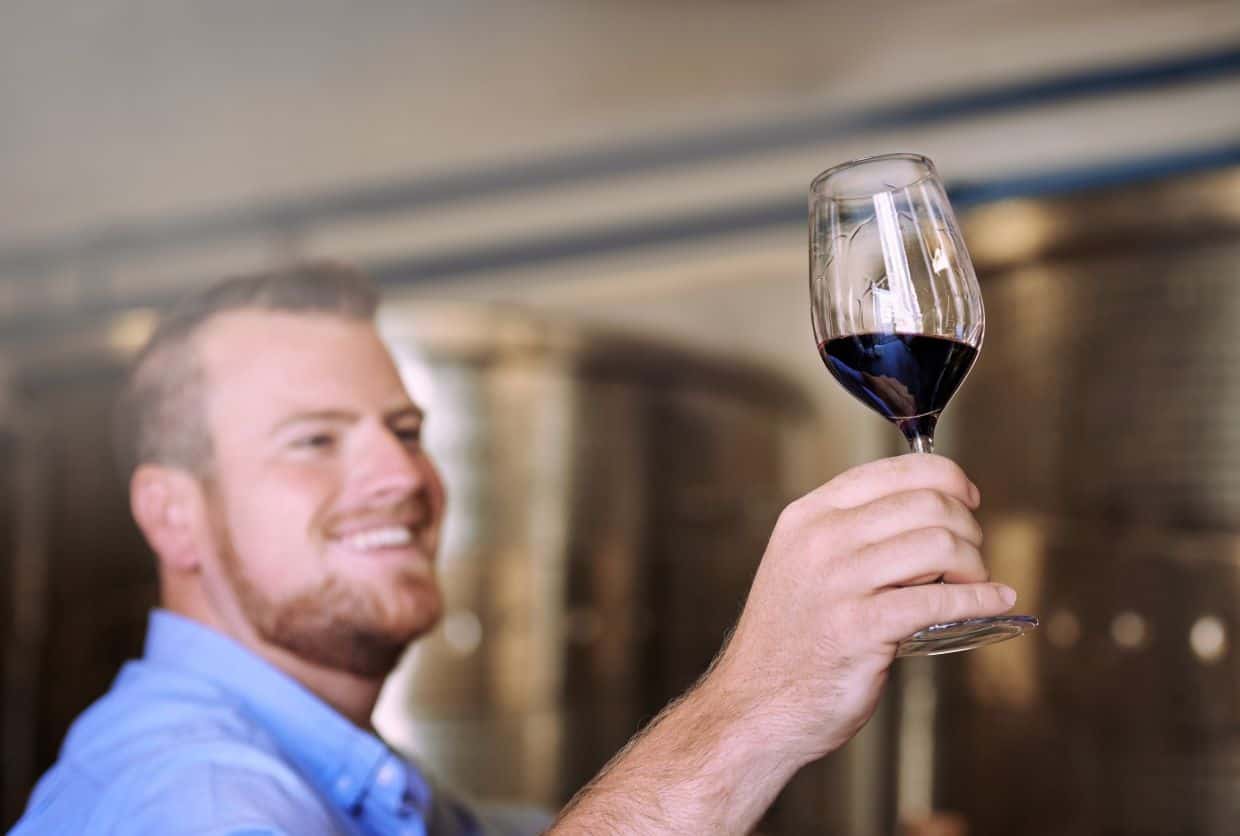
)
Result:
{"points": [[921, 443]]}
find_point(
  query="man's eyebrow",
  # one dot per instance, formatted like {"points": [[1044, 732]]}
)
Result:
{"points": [[404, 411], [346, 416], [337, 416]]}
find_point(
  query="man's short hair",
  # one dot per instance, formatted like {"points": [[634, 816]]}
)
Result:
{"points": [[161, 414]]}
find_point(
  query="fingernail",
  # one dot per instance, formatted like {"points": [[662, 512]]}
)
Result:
{"points": [[1007, 595], [977, 494]]}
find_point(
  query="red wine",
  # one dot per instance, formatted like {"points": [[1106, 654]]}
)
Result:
{"points": [[907, 378]]}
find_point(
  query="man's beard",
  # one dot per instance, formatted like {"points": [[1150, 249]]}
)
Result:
{"points": [[336, 624]]}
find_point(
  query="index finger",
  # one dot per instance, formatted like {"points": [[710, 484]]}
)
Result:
{"points": [[913, 471]]}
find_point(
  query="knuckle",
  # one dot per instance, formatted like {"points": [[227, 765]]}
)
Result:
{"points": [[940, 467], [941, 539], [931, 503], [843, 522], [903, 463], [954, 475], [898, 469], [863, 474], [973, 557], [857, 473], [793, 515]]}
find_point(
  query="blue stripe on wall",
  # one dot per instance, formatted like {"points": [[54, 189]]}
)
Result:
{"points": [[782, 212], [687, 230], [1097, 176], [629, 160]]}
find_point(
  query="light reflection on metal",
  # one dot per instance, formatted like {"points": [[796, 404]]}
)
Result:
{"points": [[1008, 676], [1227, 200], [1208, 639], [1129, 630], [915, 773], [1010, 231], [1063, 629], [129, 331], [462, 631]]}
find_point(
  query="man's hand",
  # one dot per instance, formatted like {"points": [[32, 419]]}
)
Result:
{"points": [[846, 576]]}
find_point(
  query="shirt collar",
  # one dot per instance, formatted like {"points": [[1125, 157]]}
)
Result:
{"points": [[337, 756]]}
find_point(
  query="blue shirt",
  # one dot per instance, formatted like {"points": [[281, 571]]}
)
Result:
{"points": [[201, 737]]}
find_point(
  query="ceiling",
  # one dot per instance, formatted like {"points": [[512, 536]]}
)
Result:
{"points": [[119, 110]]}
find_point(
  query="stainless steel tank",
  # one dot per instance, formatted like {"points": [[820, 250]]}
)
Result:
{"points": [[78, 580], [609, 501], [1100, 424]]}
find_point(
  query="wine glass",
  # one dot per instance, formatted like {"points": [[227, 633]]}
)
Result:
{"points": [[898, 317]]}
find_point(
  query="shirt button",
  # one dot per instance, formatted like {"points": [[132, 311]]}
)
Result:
{"points": [[387, 775]]}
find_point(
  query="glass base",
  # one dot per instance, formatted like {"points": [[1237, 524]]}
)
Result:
{"points": [[958, 636]]}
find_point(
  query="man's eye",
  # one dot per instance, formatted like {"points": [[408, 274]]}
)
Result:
{"points": [[409, 435], [318, 441]]}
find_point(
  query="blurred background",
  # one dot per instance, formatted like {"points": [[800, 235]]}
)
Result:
{"points": [[589, 220]]}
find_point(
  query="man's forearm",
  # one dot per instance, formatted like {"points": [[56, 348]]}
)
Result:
{"points": [[700, 767]]}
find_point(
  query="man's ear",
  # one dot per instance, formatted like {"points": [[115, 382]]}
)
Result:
{"points": [[167, 504]]}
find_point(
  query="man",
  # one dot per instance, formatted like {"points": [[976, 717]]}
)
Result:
{"points": [[280, 479]]}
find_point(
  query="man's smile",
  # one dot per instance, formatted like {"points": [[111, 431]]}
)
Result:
{"points": [[377, 537]]}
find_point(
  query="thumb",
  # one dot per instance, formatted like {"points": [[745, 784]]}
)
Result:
{"points": [[905, 610]]}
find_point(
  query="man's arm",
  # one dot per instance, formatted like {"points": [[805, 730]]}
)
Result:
{"points": [[699, 767], [844, 579]]}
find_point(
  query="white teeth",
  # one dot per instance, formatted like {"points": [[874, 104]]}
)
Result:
{"points": [[378, 538]]}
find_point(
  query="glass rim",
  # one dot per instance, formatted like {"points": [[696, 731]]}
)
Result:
{"points": [[815, 185]]}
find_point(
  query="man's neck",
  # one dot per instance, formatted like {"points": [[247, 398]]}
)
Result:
{"points": [[352, 695]]}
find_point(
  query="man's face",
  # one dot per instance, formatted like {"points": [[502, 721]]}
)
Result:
{"points": [[325, 508]]}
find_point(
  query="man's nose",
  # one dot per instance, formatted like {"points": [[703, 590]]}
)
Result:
{"points": [[389, 471]]}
